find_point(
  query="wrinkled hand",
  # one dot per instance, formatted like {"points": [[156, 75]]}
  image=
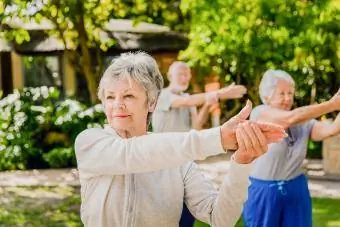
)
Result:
{"points": [[232, 92], [272, 133], [211, 98], [251, 143], [336, 100]]}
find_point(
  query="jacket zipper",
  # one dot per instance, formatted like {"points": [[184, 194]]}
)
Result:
{"points": [[131, 202]]}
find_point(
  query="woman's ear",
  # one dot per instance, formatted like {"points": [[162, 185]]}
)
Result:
{"points": [[168, 77], [152, 105]]}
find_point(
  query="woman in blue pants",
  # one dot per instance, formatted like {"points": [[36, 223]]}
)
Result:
{"points": [[278, 195]]}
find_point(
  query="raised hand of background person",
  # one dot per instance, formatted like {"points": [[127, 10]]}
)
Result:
{"points": [[211, 97], [231, 92]]}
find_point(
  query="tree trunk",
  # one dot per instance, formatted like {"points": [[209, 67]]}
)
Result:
{"points": [[86, 62], [312, 94]]}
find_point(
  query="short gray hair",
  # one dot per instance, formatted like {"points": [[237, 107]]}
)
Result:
{"points": [[138, 66], [175, 66], [269, 81]]}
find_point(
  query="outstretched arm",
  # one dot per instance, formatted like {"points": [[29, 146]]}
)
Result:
{"points": [[299, 115], [229, 92], [323, 130], [200, 118], [102, 152]]}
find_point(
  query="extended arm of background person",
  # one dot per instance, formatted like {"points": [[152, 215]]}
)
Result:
{"points": [[188, 101], [323, 130], [288, 118], [200, 118], [229, 92]]}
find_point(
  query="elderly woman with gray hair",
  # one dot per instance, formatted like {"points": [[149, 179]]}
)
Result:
{"points": [[278, 194], [130, 177]]}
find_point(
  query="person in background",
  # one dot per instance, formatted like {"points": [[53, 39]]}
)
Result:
{"points": [[176, 111], [132, 178], [278, 194]]}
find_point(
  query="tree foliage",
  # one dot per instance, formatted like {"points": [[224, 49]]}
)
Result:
{"points": [[239, 40], [79, 24]]}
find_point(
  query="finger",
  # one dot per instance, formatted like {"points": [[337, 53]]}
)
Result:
{"points": [[248, 130], [268, 127], [242, 88], [261, 138], [240, 141], [258, 137], [273, 138], [241, 154], [239, 91], [264, 126], [247, 141], [245, 112], [231, 86]]}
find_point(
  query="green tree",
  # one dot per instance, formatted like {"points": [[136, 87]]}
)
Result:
{"points": [[240, 39], [80, 25]]}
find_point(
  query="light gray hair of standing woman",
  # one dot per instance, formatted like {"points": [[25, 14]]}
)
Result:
{"points": [[138, 66], [175, 66], [269, 81]]}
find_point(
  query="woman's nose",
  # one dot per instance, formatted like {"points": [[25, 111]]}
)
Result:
{"points": [[118, 103], [288, 97]]}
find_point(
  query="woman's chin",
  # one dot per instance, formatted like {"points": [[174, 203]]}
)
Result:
{"points": [[287, 107], [120, 126]]}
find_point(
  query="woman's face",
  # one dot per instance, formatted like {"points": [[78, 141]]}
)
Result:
{"points": [[283, 96], [126, 106], [181, 78]]}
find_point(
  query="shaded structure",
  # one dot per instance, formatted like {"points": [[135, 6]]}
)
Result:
{"points": [[52, 56]]}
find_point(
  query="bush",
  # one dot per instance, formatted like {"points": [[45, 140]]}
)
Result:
{"points": [[60, 158], [25, 116], [314, 150], [73, 117], [34, 121]]}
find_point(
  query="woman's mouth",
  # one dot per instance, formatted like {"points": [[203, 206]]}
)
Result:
{"points": [[121, 115]]}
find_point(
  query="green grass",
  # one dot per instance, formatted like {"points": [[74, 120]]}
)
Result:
{"points": [[39, 206], [326, 213], [201, 224], [59, 207]]}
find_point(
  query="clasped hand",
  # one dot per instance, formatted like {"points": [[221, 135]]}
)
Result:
{"points": [[250, 139]]}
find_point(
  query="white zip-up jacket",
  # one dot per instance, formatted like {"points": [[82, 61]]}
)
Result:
{"points": [[143, 181]]}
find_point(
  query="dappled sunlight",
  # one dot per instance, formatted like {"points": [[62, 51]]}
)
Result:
{"points": [[326, 212], [39, 206], [56, 177]]}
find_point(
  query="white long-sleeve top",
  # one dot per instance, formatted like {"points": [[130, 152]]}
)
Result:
{"points": [[143, 181]]}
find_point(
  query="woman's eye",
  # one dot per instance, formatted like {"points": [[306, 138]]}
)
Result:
{"points": [[129, 96], [110, 97]]}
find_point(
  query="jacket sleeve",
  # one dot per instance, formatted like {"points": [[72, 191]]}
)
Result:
{"points": [[100, 152], [220, 208]]}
